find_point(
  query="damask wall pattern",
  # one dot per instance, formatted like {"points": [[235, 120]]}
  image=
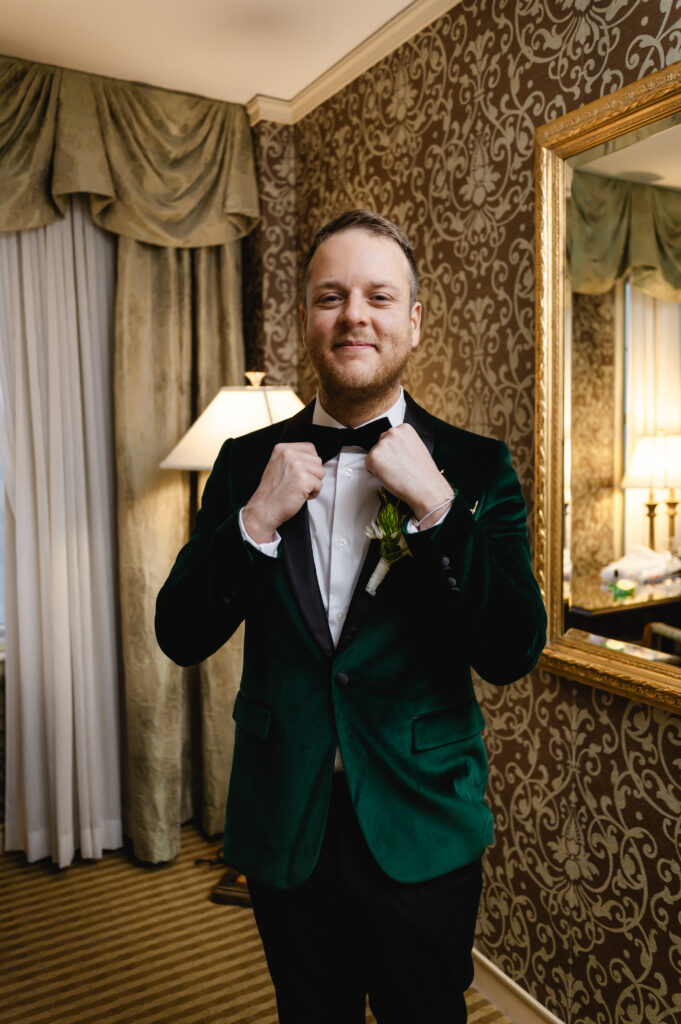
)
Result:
{"points": [[582, 891], [583, 885], [270, 261]]}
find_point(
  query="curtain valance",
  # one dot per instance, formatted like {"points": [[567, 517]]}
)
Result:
{"points": [[161, 167], [618, 227]]}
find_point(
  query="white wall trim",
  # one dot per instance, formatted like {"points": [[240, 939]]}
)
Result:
{"points": [[504, 993], [394, 33]]}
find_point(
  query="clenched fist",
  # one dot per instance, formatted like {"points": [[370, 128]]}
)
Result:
{"points": [[404, 466], [293, 474]]}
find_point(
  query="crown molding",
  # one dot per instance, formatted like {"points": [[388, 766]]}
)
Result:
{"points": [[269, 108], [394, 33]]}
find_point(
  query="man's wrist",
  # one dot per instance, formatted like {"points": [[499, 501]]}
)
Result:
{"points": [[435, 515], [426, 505], [258, 527]]}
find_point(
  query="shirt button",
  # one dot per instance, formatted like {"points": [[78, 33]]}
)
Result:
{"points": [[339, 616], [348, 472], [342, 542]]}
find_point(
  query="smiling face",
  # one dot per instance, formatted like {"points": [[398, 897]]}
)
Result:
{"points": [[359, 326]]}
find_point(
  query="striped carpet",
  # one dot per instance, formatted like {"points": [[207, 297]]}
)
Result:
{"points": [[112, 942]]}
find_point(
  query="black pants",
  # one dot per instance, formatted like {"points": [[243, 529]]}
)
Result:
{"points": [[350, 930]]}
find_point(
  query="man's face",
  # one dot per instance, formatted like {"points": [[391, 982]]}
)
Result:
{"points": [[359, 327]]}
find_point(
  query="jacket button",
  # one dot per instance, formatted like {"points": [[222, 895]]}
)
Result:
{"points": [[445, 562], [451, 583], [342, 679]]}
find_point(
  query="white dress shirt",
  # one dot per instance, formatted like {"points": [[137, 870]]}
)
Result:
{"points": [[347, 504]]}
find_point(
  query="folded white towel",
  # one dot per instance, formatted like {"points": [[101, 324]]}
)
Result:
{"points": [[642, 564]]}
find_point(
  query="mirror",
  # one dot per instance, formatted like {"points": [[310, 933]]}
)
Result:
{"points": [[583, 646]]}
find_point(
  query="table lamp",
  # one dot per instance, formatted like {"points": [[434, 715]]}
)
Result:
{"points": [[655, 465], [233, 411]]}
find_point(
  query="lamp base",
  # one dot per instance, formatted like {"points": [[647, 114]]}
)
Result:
{"points": [[231, 889], [651, 506], [671, 513]]}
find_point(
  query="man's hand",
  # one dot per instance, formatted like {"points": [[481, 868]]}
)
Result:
{"points": [[404, 467], [293, 474]]}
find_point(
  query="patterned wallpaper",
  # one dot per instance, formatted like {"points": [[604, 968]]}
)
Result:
{"points": [[270, 267], [583, 885], [582, 893], [593, 432]]}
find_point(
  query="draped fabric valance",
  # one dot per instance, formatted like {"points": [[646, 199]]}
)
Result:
{"points": [[617, 227], [160, 167]]}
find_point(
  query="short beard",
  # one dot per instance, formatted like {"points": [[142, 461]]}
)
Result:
{"points": [[343, 388]]}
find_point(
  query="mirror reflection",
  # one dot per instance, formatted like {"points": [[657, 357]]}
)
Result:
{"points": [[622, 387]]}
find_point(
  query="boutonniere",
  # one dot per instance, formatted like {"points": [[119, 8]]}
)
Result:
{"points": [[387, 527]]}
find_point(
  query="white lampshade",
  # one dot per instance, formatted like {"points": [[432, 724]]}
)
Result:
{"points": [[233, 411], [656, 462]]}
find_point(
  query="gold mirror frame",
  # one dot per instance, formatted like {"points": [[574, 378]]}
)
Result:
{"points": [[569, 653]]}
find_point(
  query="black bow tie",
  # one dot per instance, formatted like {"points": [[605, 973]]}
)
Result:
{"points": [[329, 440]]}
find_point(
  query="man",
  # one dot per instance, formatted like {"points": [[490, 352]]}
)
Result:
{"points": [[356, 806]]}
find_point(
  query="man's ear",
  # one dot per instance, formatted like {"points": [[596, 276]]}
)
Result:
{"points": [[415, 317]]}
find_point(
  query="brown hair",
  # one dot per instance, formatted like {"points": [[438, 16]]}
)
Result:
{"points": [[367, 221]]}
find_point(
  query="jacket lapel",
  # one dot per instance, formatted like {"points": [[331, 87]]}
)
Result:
{"points": [[420, 420], [296, 553], [361, 602]]}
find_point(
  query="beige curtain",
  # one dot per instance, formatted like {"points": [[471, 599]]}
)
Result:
{"points": [[173, 176], [173, 305], [616, 228]]}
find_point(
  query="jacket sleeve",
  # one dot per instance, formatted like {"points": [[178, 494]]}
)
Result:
{"points": [[215, 578], [479, 562]]}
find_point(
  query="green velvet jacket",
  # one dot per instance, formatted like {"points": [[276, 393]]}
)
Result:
{"points": [[396, 693]]}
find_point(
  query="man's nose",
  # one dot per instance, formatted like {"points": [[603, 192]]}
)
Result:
{"points": [[354, 310]]}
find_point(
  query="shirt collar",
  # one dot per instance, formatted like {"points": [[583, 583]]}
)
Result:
{"points": [[395, 414]]}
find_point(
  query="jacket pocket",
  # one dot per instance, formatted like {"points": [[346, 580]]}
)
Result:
{"points": [[254, 718], [448, 725]]}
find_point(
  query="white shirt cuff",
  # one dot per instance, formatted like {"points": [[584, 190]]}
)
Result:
{"points": [[269, 548], [411, 528]]}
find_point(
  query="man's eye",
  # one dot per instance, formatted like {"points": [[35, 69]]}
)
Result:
{"points": [[328, 299], [380, 297]]}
